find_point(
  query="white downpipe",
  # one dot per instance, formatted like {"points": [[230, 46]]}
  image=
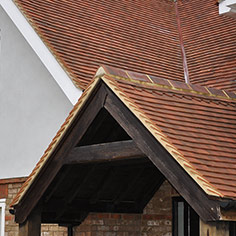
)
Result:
{"points": [[2, 216]]}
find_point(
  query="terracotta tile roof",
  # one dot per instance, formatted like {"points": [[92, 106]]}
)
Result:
{"points": [[141, 36], [195, 124], [210, 44], [136, 35]]}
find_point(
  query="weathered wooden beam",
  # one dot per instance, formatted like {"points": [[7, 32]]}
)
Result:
{"points": [[218, 228], [58, 183], [79, 206], [72, 218], [103, 152], [32, 226], [70, 230]]}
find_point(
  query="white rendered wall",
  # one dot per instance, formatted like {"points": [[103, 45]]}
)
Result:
{"points": [[228, 8], [32, 105]]}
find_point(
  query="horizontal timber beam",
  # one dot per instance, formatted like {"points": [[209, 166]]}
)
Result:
{"points": [[79, 206], [103, 152]]}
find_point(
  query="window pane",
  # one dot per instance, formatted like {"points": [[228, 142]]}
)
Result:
{"points": [[232, 228], [0, 220], [185, 219], [180, 218]]}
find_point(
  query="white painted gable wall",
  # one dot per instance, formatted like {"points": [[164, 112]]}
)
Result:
{"points": [[228, 8], [32, 105]]}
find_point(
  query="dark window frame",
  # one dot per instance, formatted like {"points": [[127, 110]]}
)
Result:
{"points": [[232, 228], [191, 219]]}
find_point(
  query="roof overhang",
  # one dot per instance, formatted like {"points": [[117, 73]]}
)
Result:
{"points": [[228, 8], [47, 58]]}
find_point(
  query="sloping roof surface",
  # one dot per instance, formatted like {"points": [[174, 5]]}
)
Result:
{"points": [[141, 36], [195, 124], [83, 34], [210, 44]]}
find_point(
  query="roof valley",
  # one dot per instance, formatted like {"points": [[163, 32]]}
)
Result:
{"points": [[181, 41]]}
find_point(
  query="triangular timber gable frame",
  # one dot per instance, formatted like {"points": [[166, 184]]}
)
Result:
{"points": [[100, 96]]}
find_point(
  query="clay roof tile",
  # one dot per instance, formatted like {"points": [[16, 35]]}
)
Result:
{"points": [[140, 36]]}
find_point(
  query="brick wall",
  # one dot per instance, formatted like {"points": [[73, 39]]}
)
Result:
{"points": [[8, 189], [156, 219]]}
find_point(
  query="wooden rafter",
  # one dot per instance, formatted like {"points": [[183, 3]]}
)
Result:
{"points": [[58, 183], [106, 178], [72, 194], [131, 184]]}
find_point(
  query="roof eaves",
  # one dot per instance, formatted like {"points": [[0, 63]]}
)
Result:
{"points": [[55, 68]]}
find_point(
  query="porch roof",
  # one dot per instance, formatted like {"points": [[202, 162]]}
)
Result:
{"points": [[195, 125]]}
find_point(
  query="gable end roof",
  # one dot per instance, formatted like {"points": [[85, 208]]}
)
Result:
{"points": [[204, 143]]}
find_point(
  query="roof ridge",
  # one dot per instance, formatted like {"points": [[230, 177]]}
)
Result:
{"points": [[145, 79], [162, 138]]}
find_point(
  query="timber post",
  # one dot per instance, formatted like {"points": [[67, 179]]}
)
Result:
{"points": [[70, 230], [218, 228], [32, 225]]}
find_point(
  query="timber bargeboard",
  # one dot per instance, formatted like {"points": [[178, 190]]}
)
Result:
{"points": [[102, 97]]}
